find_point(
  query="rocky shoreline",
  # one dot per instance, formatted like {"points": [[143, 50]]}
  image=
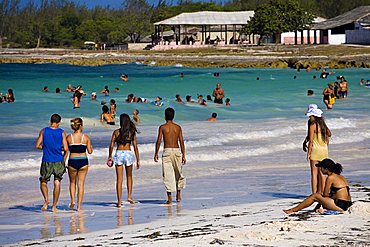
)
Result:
{"points": [[251, 59]]}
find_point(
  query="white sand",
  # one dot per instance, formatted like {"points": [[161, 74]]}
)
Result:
{"points": [[257, 224]]}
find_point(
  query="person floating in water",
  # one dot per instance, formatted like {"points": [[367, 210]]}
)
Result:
{"points": [[173, 157], [124, 77]]}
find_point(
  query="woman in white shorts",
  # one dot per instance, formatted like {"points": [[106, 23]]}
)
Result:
{"points": [[124, 137]]}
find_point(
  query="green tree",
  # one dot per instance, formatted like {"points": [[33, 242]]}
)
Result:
{"points": [[136, 17], [278, 17], [8, 12]]}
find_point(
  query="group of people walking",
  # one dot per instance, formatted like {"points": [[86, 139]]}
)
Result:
{"points": [[57, 147]]}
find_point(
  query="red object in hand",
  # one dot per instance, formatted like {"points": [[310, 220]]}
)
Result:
{"points": [[110, 163]]}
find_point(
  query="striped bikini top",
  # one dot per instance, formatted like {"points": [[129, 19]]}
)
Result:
{"points": [[77, 148]]}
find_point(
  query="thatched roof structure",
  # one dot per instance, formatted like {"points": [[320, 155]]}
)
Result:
{"points": [[356, 15]]}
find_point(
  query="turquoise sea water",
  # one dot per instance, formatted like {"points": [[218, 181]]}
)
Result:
{"points": [[259, 135]]}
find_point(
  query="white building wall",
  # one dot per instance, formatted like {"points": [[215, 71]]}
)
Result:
{"points": [[288, 37], [336, 39]]}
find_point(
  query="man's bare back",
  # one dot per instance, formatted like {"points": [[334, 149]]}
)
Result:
{"points": [[170, 133]]}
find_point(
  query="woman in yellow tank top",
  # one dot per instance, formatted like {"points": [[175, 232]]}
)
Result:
{"points": [[317, 150]]}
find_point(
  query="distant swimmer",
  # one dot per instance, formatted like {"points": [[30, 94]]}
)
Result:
{"points": [[93, 96], [227, 102], [9, 97], [328, 96], [218, 94], [178, 99], [188, 99], [106, 116], [76, 99], [201, 101], [135, 116], [124, 77], [309, 92], [324, 74], [45, 89], [158, 101], [113, 107], [213, 117], [105, 91], [116, 90], [343, 87], [57, 90], [308, 68], [70, 89]]}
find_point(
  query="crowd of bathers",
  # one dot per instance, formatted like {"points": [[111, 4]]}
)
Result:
{"points": [[8, 97]]}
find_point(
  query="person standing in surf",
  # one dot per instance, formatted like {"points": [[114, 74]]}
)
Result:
{"points": [[124, 137], [173, 157], [317, 149]]}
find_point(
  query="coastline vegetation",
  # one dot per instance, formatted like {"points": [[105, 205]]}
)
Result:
{"points": [[65, 24]]}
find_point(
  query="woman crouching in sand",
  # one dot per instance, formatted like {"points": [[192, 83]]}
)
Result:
{"points": [[336, 194], [78, 144], [124, 137]]}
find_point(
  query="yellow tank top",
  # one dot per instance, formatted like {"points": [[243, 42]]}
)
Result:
{"points": [[319, 148]]}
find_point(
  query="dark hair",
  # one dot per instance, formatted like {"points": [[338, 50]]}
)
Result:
{"points": [[106, 87], [214, 114], [78, 94], [209, 97], [169, 113], [105, 109], [188, 97], [57, 90], [319, 121], [127, 129], [55, 118], [112, 101], [331, 166], [45, 87], [177, 95], [227, 100]]}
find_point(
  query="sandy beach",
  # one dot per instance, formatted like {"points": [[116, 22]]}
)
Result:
{"points": [[257, 224]]}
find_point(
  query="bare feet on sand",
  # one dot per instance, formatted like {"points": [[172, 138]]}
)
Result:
{"points": [[119, 204], [71, 206], [288, 211], [54, 209], [167, 203], [130, 201], [45, 206], [178, 197]]}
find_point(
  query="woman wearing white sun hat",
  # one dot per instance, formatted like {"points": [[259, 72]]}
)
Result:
{"points": [[318, 140]]}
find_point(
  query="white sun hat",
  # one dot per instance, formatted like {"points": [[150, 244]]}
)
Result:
{"points": [[313, 110]]}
